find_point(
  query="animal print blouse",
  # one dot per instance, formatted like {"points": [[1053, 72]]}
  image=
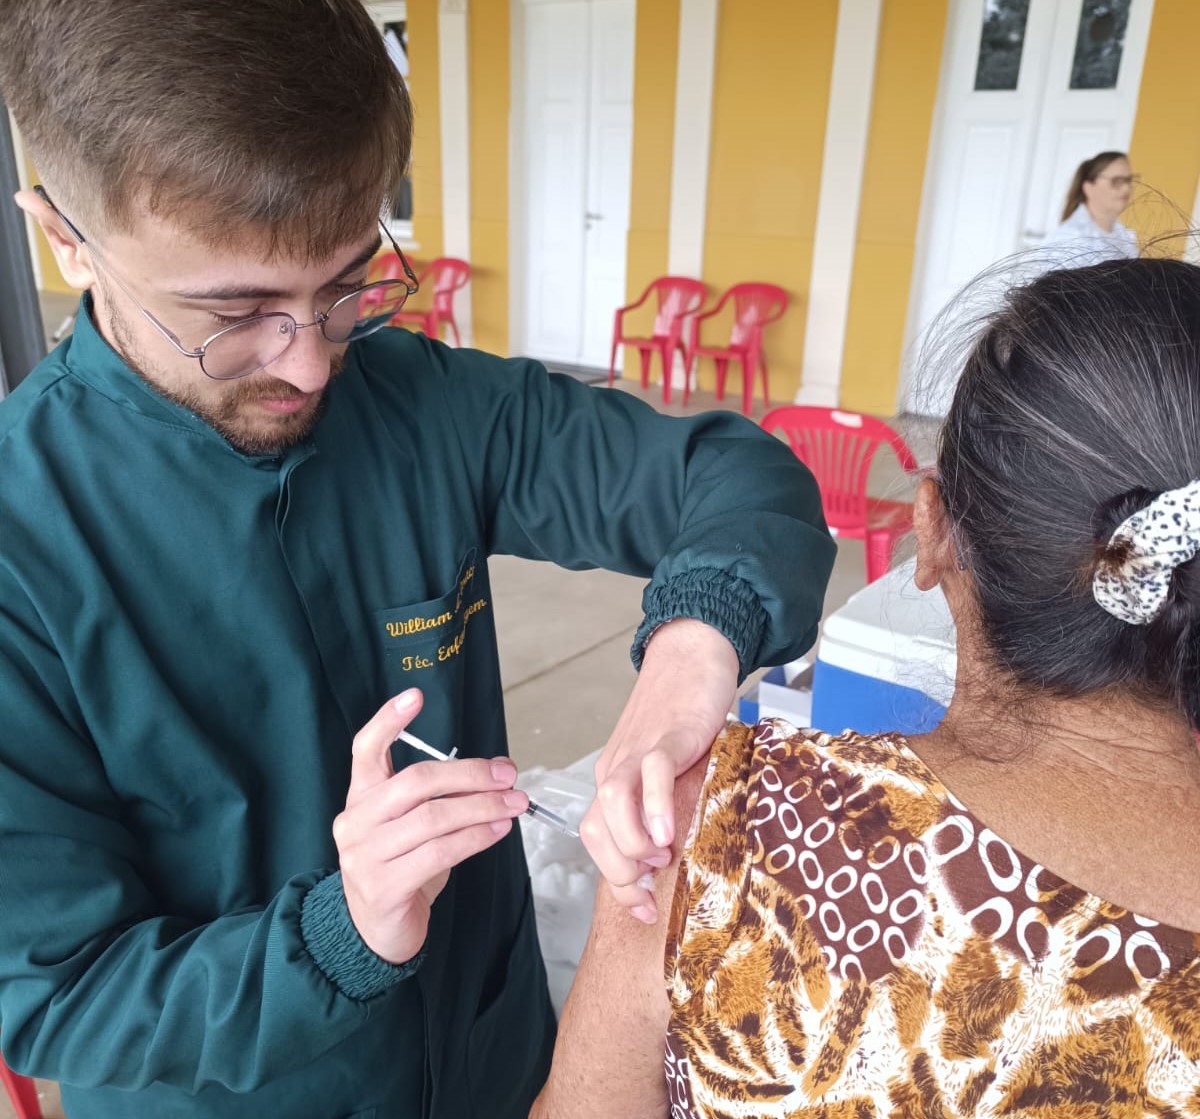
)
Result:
{"points": [[848, 941]]}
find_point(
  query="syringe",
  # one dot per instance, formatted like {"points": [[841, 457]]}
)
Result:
{"points": [[535, 811]]}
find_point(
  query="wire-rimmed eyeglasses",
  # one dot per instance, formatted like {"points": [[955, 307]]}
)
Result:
{"points": [[252, 344]]}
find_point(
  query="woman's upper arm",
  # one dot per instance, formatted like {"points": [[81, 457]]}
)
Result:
{"points": [[608, 1061]]}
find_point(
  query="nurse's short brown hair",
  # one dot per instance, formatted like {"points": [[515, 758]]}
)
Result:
{"points": [[283, 119]]}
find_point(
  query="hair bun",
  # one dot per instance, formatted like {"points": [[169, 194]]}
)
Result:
{"points": [[1137, 564]]}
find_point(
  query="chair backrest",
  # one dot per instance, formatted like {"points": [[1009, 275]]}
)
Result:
{"points": [[754, 305], [386, 266], [838, 446], [446, 275], [678, 297]]}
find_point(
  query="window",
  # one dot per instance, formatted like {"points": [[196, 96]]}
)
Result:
{"points": [[392, 21], [1002, 44], [1099, 44]]}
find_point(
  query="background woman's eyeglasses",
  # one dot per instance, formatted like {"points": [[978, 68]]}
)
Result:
{"points": [[248, 346]]}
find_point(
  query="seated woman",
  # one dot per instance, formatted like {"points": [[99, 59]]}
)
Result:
{"points": [[1002, 916], [1099, 193]]}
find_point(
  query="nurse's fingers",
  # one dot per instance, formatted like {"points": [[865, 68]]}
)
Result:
{"points": [[638, 897], [389, 899], [659, 770], [443, 853], [419, 785], [435, 820], [620, 798], [616, 867], [644, 887], [371, 753], [438, 788]]}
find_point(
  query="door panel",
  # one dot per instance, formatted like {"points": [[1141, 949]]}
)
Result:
{"points": [[1001, 159], [982, 211], [556, 90], [606, 219], [1075, 124], [579, 135], [980, 160]]}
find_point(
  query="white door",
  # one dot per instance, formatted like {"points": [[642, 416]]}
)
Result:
{"points": [[1015, 117], [1078, 123], [578, 94]]}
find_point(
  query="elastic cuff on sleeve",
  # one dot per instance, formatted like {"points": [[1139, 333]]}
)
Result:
{"points": [[713, 596], [337, 949]]}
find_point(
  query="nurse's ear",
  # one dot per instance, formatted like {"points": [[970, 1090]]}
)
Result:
{"points": [[937, 554], [73, 259]]}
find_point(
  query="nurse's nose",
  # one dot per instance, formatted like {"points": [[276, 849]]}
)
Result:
{"points": [[306, 363]]}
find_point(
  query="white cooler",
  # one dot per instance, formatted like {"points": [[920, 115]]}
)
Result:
{"points": [[886, 660]]}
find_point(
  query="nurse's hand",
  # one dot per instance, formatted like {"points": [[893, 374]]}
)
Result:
{"points": [[686, 686], [401, 833]]}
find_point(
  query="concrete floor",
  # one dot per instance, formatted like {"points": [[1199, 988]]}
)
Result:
{"points": [[567, 678]]}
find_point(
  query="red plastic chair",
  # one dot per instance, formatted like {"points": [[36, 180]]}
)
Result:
{"points": [[22, 1093], [678, 297], [754, 305], [838, 448], [444, 277], [386, 266]]}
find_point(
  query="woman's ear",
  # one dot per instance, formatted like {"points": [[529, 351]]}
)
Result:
{"points": [[73, 259], [937, 556]]}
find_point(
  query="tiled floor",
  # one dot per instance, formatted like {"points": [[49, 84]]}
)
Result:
{"points": [[564, 637]]}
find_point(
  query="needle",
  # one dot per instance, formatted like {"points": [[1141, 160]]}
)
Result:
{"points": [[535, 811]]}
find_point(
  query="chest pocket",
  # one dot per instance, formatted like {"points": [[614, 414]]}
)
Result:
{"points": [[423, 647]]}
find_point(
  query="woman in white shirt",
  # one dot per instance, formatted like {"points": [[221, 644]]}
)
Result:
{"points": [[1090, 231]]}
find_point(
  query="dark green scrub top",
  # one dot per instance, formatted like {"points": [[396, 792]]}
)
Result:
{"points": [[190, 639]]}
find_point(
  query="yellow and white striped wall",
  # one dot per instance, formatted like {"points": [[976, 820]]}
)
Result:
{"points": [[783, 141], [777, 140]]}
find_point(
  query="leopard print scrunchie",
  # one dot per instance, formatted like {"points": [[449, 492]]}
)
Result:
{"points": [[1160, 537]]}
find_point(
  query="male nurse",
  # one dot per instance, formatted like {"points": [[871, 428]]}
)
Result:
{"points": [[244, 532]]}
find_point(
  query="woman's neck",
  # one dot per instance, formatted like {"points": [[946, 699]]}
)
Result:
{"points": [[1103, 732], [1108, 224]]}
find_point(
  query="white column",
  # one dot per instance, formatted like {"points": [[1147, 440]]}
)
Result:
{"points": [[453, 89], [693, 134], [846, 129], [1191, 247]]}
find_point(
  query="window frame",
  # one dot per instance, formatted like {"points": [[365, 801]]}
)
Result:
{"points": [[383, 12]]}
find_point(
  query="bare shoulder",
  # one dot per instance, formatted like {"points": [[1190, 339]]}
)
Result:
{"points": [[1112, 830]]}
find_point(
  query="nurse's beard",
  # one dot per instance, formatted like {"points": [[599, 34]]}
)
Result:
{"points": [[228, 406]]}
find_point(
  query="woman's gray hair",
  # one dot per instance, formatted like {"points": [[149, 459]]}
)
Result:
{"points": [[1078, 403]]}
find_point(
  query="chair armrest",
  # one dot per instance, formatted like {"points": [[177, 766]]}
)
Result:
{"points": [[637, 302], [699, 317], [909, 464]]}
